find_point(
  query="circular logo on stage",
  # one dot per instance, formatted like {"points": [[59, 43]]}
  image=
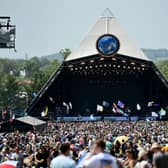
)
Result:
{"points": [[107, 45]]}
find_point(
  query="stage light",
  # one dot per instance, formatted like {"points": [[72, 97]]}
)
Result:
{"points": [[90, 67], [123, 61], [96, 66], [82, 63], [132, 63], [124, 66], [91, 61], [109, 65], [100, 65], [105, 65], [142, 65], [134, 68], [71, 69], [101, 59], [80, 68], [70, 66], [114, 65], [86, 67], [114, 59], [118, 66], [129, 67], [76, 68]]}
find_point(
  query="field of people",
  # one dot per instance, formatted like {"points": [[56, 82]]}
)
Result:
{"points": [[129, 143]]}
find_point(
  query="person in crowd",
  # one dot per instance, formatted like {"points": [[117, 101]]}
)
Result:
{"points": [[156, 147], [160, 160], [18, 156], [150, 136], [142, 161], [63, 160], [41, 158], [100, 158], [130, 160]]}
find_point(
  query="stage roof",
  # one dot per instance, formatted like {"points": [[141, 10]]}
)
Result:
{"points": [[106, 25], [85, 73]]}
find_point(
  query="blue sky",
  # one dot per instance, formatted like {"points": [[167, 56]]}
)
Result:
{"points": [[46, 26]]}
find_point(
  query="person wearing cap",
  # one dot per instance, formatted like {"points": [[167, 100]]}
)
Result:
{"points": [[63, 160]]}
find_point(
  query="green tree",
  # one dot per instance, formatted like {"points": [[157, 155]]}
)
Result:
{"points": [[163, 67], [39, 78], [32, 66], [8, 89], [65, 52], [51, 68]]}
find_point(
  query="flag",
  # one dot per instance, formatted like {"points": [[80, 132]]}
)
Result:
{"points": [[99, 108], [154, 114], [120, 111], [156, 105], [120, 104], [150, 103], [45, 112], [162, 112], [51, 99], [70, 105], [67, 107], [105, 103], [114, 108], [138, 107]]}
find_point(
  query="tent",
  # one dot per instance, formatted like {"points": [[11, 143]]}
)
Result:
{"points": [[28, 123], [87, 77]]}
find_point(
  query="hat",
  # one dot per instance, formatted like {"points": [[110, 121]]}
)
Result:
{"points": [[142, 153], [155, 145]]}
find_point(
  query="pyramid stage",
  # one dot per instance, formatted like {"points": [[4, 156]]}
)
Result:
{"points": [[106, 73]]}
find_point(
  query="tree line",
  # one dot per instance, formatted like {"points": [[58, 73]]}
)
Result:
{"points": [[21, 80]]}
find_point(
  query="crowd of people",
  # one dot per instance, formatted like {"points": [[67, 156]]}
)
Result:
{"points": [[98, 144]]}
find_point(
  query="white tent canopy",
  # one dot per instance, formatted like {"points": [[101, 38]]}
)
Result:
{"points": [[106, 25], [31, 121]]}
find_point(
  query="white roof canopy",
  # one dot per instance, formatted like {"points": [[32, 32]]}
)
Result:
{"points": [[31, 120], [106, 25]]}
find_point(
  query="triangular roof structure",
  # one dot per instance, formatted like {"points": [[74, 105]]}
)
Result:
{"points": [[106, 24]]}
